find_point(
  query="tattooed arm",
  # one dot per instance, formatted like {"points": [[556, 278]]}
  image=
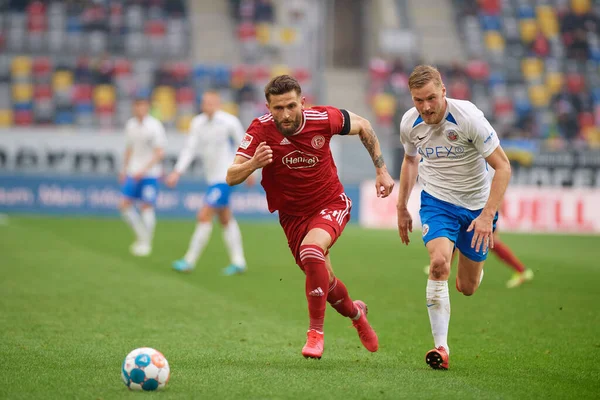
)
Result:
{"points": [[360, 126]]}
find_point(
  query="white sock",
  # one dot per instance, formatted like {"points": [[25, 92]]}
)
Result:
{"points": [[149, 218], [233, 240], [198, 242], [438, 306], [131, 216]]}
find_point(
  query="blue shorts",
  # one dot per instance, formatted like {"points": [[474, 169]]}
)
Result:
{"points": [[217, 195], [146, 189], [442, 219]]}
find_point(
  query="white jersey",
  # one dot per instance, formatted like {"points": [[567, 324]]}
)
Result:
{"points": [[453, 152], [143, 138], [215, 141]]}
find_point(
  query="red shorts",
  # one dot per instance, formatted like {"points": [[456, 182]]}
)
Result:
{"points": [[333, 218]]}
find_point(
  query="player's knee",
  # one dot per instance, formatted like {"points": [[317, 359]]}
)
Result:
{"points": [[468, 288], [440, 267]]}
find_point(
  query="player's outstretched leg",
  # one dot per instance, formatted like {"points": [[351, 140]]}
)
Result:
{"points": [[140, 247], [312, 259], [438, 297], [521, 275], [357, 310], [197, 244], [233, 240]]}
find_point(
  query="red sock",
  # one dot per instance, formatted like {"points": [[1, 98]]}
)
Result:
{"points": [[506, 255], [317, 282], [340, 300]]}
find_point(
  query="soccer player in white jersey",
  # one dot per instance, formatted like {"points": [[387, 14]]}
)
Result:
{"points": [[449, 143], [214, 135], [144, 152]]}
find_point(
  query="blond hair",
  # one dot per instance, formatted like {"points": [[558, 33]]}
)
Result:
{"points": [[422, 75]]}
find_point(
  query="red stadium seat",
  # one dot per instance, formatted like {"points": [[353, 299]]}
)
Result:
{"points": [[23, 118], [41, 66], [478, 70], [42, 92], [185, 95], [122, 66]]}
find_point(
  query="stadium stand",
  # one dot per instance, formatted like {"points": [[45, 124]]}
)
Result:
{"points": [[79, 63], [533, 68]]}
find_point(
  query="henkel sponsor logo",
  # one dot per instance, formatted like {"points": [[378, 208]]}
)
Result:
{"points": [[298, 159]]}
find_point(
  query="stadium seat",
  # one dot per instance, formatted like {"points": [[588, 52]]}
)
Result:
{"points": [[21, 66], [554, 82], [104, 95], [23, 117], [528, 29], [532, 68], [580, 7], [6, 118], [183, 123], [494, 41], [539, 96], [62, 80], [22, 92], [547, 20]]}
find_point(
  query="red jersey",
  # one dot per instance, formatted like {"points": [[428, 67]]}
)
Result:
{"points": [[302, 176]]}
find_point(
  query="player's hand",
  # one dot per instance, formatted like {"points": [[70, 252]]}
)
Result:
{"points": [[483, 238], [384, 184], [404, 224], [172, 179], [262, 156]]}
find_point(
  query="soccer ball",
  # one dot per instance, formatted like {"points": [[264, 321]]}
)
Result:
{"points": [[145, 369]]}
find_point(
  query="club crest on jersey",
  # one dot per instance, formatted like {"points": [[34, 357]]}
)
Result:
{"points": [[297, 159], [318, 141], [246, 141], [452, 135]]}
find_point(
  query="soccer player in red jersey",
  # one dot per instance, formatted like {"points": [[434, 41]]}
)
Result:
{"points": [[291, 145]]}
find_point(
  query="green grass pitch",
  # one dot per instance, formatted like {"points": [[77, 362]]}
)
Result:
{"points": [[73, 303]]}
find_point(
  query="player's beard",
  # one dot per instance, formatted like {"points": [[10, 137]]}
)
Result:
{"points": [[291, 128]]}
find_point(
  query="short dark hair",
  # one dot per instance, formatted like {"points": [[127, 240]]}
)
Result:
{"points": [[282, 84]]}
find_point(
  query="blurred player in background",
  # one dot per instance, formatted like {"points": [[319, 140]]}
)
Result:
{"points": [[213, 135], [459, 205], [145, 149], [291, 144]]}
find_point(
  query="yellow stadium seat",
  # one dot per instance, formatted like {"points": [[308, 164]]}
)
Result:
{"points": [[164, 94], [62, 80], [592, 135], [263, 33], [280, 70], [6, 118], [384, 104], [529, 29], [21, 66], [231, 108], [554, 82], [494, 41], [288, 35], [580, 6], [183, 123], [547, 21], [166, 111], [104, 95], [532, 68], [538, 95], [22, 92]]}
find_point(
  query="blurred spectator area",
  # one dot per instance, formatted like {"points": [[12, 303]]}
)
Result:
{"points": [[80, 63], [533, 67]]}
